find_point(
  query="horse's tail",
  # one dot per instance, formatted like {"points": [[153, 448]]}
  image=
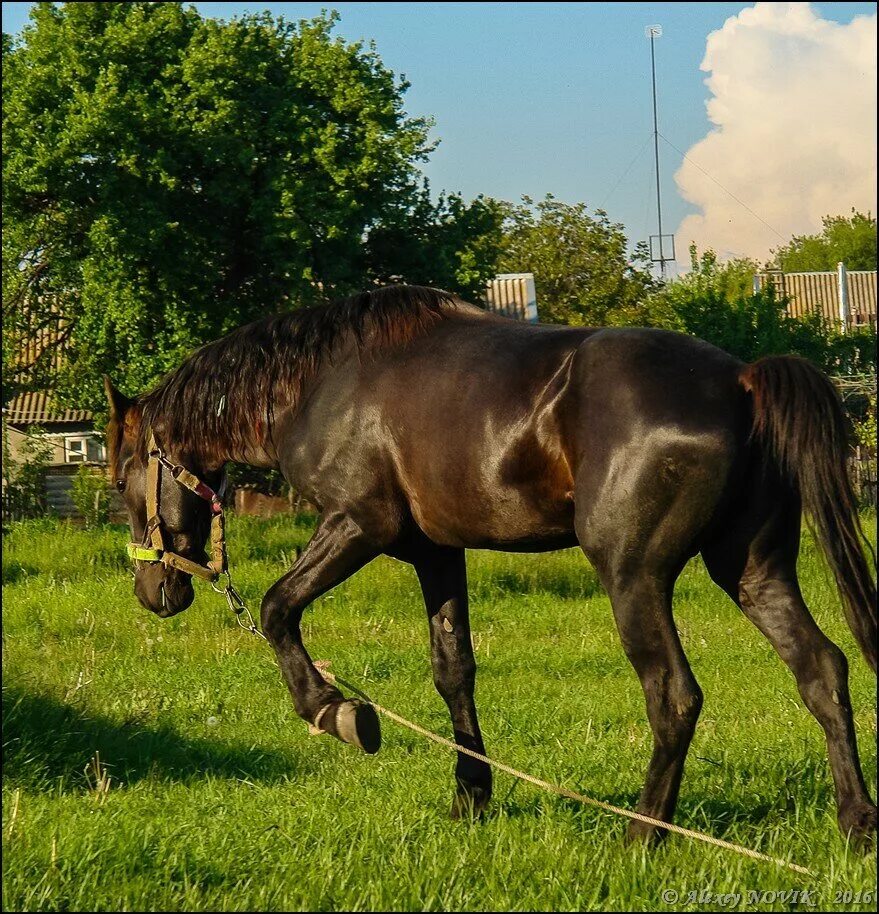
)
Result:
{"points": [[800, 421]]}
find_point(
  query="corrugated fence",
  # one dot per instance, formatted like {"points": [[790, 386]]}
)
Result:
{"points": [[513, 295], [840, 296]]}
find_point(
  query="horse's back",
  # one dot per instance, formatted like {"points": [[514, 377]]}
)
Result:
{"points": [[502, 431]]}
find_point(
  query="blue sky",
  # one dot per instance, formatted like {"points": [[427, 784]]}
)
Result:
{"points": [[531, 98]]}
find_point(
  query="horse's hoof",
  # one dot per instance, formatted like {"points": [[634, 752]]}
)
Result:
{"points": [[858, 824], [470, 803], [354, 722]]}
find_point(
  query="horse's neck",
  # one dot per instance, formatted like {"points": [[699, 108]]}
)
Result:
{"points": [[260, 454]]}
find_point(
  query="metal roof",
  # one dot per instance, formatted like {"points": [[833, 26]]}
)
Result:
{"points": [[36, 408]]}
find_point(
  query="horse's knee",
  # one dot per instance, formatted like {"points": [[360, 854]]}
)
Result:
{"points": [[832, 664], [455, 679], [688, 703]]}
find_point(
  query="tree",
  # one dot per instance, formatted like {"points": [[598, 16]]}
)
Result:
{"points": [[91, 496], [582, 272], [450, 244], [24, 478], [851, 241], [168, 177]]}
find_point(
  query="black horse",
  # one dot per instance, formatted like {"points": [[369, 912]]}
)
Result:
{"points": [[422, 426]]}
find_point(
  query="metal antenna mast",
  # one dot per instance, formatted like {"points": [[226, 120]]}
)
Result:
{"points": [[653, 32]]}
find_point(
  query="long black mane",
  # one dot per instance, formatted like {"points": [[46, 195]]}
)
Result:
{"points": [[224, 391]]}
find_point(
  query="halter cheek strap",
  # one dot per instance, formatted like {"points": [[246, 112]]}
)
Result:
{"points": [[152, 548]]}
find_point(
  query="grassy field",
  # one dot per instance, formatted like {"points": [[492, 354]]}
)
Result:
{"points": [[160, 765]]}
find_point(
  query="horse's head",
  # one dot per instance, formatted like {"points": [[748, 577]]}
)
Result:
{"points": [[183, 517]]}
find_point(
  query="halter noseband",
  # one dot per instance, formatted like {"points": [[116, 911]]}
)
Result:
{"points": [[155, 552]]}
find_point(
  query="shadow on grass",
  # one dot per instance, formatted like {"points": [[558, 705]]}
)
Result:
{"points": [[714, 815], [559, 584], [13, 572], [47, 746]]}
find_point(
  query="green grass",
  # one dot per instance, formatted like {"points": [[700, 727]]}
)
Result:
{"points": [[219, 799]]}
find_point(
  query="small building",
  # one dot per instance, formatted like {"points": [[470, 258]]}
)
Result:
{"points": [[71, 432], [73, 439]]}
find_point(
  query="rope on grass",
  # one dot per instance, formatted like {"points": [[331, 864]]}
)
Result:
{"points": [[562, 791]]}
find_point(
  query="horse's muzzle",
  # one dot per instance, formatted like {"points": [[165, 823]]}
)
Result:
{"points": [[162, 590]]}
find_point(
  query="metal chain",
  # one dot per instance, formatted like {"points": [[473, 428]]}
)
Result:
{"points": [[236, 603]]}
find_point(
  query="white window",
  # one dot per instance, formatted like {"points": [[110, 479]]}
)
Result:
{"points": [[75, 450]]}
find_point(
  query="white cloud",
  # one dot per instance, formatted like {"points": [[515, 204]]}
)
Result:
{"points": [[793, 110]]}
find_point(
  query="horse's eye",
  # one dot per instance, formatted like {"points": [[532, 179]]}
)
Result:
{"points": [[120, 485]]}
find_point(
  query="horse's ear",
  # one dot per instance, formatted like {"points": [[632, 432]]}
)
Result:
{"points": [[119, 403]]}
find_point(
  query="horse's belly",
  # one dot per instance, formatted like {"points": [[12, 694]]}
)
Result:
{"points": [[486, 512], [504, 527]]}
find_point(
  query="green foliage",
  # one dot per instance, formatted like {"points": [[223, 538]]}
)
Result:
{"points": [[91, 496], [168, 177], [851, 241], [715, 301], [24, 477], [581, 269], [450, 244], [865, 427], [270, 482]]}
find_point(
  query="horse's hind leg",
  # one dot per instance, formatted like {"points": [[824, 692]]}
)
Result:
{"points": [[638, 535], [337, 550], [443, 576], [755, 562]]}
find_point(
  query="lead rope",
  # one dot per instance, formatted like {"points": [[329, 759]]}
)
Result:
{"points": [[560, 791], [236, 604]]}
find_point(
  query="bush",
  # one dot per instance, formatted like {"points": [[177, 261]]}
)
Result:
{"points": [[716, 303], [24, 480], [91, 496], [865, 427], [269, 482]]}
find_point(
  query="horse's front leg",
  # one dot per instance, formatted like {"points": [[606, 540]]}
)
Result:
{"points": [[337, 550], [443, 576]]}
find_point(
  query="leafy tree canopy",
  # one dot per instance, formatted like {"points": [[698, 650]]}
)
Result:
{"points": [[167, 177], [851, 241], [582, 271]]}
